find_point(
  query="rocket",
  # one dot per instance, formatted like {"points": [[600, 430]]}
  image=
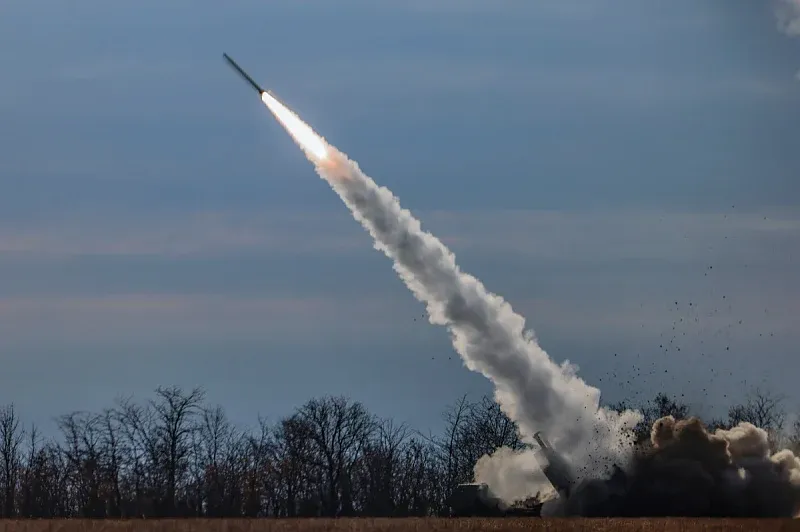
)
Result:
{"points": [[312, 144], [242, 73]]}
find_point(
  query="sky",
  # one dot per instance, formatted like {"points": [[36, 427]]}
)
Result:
{"points": [[626, 174]]}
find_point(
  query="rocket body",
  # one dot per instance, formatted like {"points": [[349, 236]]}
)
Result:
{"points": [[244, 74]]}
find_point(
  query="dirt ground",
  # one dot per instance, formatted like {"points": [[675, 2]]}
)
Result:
{"points": [[396, 525]]}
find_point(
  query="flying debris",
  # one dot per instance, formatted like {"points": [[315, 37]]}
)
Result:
{"points": [[242, 73]]}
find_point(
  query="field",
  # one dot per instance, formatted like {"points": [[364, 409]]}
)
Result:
{"points": [[395, 525]]}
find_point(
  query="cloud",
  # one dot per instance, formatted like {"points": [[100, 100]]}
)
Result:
{"points": [[606, 273], [788, 12], [126, 263], [625, 234], [190, 234], [125, 318], [597, 236], [167, 305], [589, 283]]}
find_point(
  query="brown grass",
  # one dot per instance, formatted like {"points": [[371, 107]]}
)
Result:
{"points": [[396, 525]]}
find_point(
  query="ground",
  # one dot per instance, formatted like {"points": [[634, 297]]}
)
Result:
{"points": [[397, 525]]}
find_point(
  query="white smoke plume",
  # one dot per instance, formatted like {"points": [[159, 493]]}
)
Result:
{"points": [[534, 391], [531, 389], [788, 12], [513, 475]]}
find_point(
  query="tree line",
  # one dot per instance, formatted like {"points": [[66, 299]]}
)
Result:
{"points": [[176, 456]]}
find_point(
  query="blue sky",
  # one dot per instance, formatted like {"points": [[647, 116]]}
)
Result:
{"points": [[594, 162]]}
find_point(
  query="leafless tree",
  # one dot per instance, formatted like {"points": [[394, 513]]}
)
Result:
{"points": [[794, 436], [82, 451], [174, 412], [487, 429], [155, 443], [472, 429], [142, 475], [176, 456], [376, 480], [219, 463], [764, 410], [112, 459], [294, 469], [420, 487], [447, 444], [11, 436], [45, 488], [26, 496], [259, 480], [340, 431]]}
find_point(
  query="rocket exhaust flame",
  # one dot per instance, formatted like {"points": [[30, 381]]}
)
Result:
{"points": [[312, 144]]}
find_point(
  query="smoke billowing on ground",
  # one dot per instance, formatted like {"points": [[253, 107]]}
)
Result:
{"points": [[685, 472]]}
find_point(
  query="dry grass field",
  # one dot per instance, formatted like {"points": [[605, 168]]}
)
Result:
{"points": [[397, 525]]}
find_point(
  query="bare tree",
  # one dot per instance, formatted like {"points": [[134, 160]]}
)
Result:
{"points": [[175, 456], [220, 457], [794, 436], [376, 478], [472, 429], [27, 483], [259, 480], [45, 491], [82, 450], [11, 436], [175, 412], [764, 410], [143, 476], [340, 430], [420, 485], [448, 446], [112, 459], [488, 428], [294, 469]]}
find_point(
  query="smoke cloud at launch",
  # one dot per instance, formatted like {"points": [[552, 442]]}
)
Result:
{"points": [[690, 472], [513, 475], [687, 471]]}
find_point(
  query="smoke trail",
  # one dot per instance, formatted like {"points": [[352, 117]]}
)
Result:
{"points": [[532, 390]]}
